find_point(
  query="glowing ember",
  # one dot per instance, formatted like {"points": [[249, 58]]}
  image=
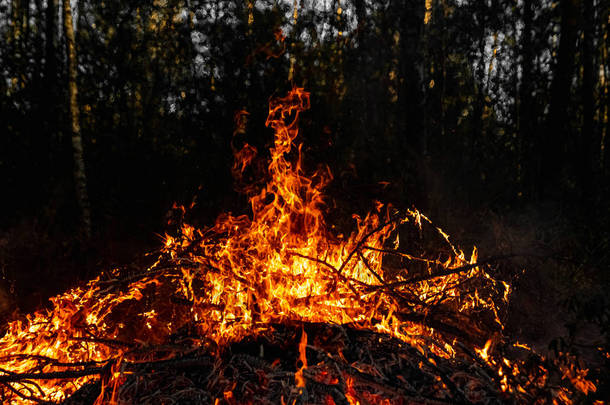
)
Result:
{"points": [[281, 265]]}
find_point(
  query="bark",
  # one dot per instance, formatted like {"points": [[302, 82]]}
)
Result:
{"points": [[411, 111], [15, 39], [586, 162], [526, 102], [411, 71], [50, 66], [26, 25], [603, 145], [80, 178], [479, 105], [39, 46], [50, 34], [469, 158], [554, 149]]}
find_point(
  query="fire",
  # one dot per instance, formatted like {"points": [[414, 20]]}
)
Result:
{"points": [[298, 376], [282, 264], [483, 353]]}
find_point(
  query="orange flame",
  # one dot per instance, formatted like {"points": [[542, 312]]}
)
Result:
{"points": [[281, 264], [484, 351], [298, 377]]}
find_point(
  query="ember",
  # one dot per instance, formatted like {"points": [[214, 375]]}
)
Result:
{"points": [[277, 309]]}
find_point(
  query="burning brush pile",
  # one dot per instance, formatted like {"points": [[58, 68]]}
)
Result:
{"points": [[276, 308]]}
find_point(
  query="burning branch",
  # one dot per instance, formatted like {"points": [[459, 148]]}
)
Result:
{"points": [[226, 312]]}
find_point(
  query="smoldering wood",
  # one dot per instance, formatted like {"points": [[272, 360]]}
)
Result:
{"points": [[344, 361]]}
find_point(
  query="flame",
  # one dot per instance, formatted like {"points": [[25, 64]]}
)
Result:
{"points": [[483, 353], [280, 264], [299, 379], [576, 375]]}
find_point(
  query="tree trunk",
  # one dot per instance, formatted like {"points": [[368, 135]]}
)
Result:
{"points": [[50, 66], [362, 36], [80, 178], [25, 27], [39, 54], [15, 39], [527, 116], [50, 34], [411, 97], [586, 161], [411, 71], [558, 129], [602, 147]]}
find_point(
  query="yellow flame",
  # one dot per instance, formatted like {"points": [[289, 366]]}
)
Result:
{"points": [[282, 263], [298, 377]]}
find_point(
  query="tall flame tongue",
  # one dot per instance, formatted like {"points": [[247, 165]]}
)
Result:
{"points": [[284, 263], [237, 277]]}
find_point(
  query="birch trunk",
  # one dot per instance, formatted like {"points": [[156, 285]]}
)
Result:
{"points": [[80, 177]]}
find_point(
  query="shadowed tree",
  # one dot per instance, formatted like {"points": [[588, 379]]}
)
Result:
{"points": [[80, 177], [50, 67], [554, 148], [526, 102], [585, 161]]}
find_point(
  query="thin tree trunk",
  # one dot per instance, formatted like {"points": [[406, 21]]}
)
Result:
{"points": [[80, 178], [585, 165], [39, 22], [411, 70], [526, 104], [25, 26], [50, 66], [557, 134], [469, 158], [605, 110], [410, 102], [605, 122], [16, 38], [50, 34], [362, 37]]}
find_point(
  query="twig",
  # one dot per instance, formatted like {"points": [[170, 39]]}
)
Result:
{"points": [[49, 360], [107, 342], [336, 271], [400, 254], [55, 375], [21, 395], [362, 241], [444, 273]]}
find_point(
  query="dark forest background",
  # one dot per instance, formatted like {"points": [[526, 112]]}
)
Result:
{"points": [[489, 116]]}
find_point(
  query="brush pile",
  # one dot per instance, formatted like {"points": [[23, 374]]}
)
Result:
{"points": [[277, 308], [321, 364]]}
